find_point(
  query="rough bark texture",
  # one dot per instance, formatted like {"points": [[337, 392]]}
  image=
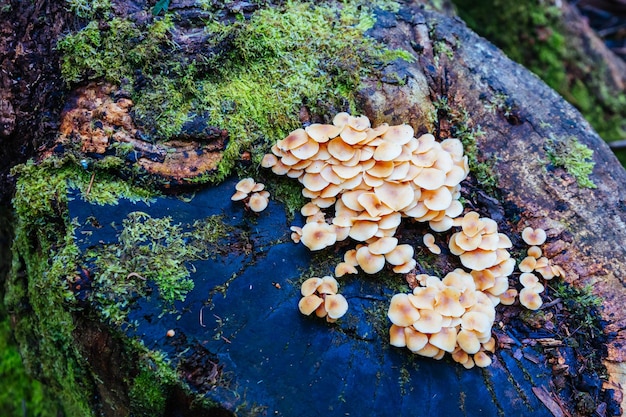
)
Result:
{"points": [[260, 355]]}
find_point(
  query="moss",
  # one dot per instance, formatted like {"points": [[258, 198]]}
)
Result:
{"points": [[88, 9], [252, 77], [150, 252], [575, 157], [147, 396]]}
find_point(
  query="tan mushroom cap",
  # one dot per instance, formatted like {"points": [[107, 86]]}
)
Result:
{"points": [[401, 312], [313, 182], [329, 285], [429, 322], [309, 304], [258, 202], [383, 245], [530, 299], [381, 169], [534, 237], [424, 297], [445, 339], [336, 305], [406, 267], [344, 268], [245, 185], [468, 341], [430, 178], [340, 149], [448, 302], [310, 286], [396, 196], [400, 254], [477, 321], [269, 160], [341, 119], [396, 336], [482, 360], [316, 236], [359, 122], [528, 279], [387, 151], [363, 230], [322, 133], [352, 136], [370, 263], [296, 138], [239, 195], [306, 150], [415, 341], [467, 243], [439, 199], [508, 297], [399, 134], [535, 252], [479, 259], [471, 224]]}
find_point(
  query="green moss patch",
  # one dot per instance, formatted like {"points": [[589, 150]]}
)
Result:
{"points": [[575, 157], [251, 77]]}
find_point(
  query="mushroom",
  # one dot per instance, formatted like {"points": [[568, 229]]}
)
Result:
{"points": [[258, 202], [336, 306], [401, 312], [534, 237], [316, 236], [369, 262], [309, 304]]}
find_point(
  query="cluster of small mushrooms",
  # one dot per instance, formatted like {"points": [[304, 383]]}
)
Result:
{"points": [[372, 178], [257, 201]]}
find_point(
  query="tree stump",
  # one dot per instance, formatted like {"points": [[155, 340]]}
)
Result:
{"points": [[107, 329]]}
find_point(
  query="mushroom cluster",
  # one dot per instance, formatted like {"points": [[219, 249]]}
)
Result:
{"points": [[373, 177], [445, 315], [529, 295], [320, 295], [257, 201]]}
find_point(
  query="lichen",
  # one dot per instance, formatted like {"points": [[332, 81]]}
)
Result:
{"points": [[575, 157]]}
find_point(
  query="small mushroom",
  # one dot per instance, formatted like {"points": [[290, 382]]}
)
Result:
{"points": [[316, 236], [309, 304], [336, 306], [401, 312], [534, 237]]}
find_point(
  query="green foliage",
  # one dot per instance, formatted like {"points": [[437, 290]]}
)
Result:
{"points": [[575, 157], [149, 250], [19, 390], [252, 78], [88, 9], [582, 306], [147, 395]]}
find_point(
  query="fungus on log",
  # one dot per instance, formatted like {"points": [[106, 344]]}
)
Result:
{"points": [[237, 343]]}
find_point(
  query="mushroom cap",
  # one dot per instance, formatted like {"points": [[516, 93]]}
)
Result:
{"points": [[322, 133], [336, 305], [257, 202], [293, 140], [316, 236], [445, 339], [341, 119], [359, 122], [340, 149], [482, 360], [363, 230], [383, 245], [430, 351], [269, 160], [535, 252], [429, 322], [534, 237], [400, 254], [406, 267], [309, 304], [468, 341], [306, 150], [381, 169], [245, 185], [310, 286], [387, 151], [238, 196], [396, 336], [439, 199], [370, 263], [396, 196], [401, 312], [415, 340], [424, 297], [329, 285], [507, 298], [448, 302], [477, 321], [467, 243], [442, 225], [528, 279], [530, 299], [399, 134], [313, 182], [471, 224], [430, 178], [344, 268], [479, 259]]}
